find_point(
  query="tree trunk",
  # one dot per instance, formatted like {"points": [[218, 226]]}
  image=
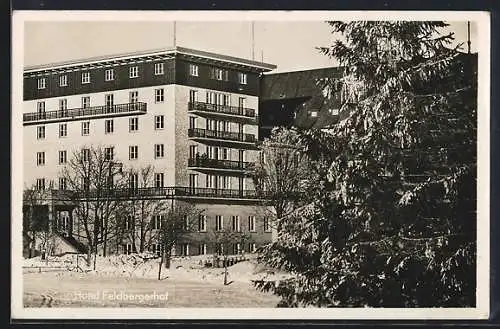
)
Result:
{"points": [[160, 265], [89, 254], [168, 258], [225, 270]]}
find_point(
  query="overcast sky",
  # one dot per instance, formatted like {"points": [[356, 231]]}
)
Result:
{"points": [[289, 45]]}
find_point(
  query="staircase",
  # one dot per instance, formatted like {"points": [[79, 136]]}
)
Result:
{"points": [[79, 246]]}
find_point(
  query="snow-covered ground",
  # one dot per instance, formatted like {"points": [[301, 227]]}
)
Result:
{"points": [[132, 280]]}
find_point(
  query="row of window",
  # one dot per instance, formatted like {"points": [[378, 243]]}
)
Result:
{"points": [[108, 100], [159, 69], [186, 249], [109, 75], [159, 97], [159, 182], [218, 74], [159, 153], [109, 127], [158, 220]]}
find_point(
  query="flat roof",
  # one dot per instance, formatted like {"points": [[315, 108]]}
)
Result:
{"points": [[154, 52]]}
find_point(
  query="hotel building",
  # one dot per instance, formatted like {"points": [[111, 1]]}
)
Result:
{"points": [[192, 115]]}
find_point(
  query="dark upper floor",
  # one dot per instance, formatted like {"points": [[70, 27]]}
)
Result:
{"points": [[303, 99], [170, 66]]}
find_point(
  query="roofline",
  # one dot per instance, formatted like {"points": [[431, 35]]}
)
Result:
{"points": [[306, 70], [152, 52]]}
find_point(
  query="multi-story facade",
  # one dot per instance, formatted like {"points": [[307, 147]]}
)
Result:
{"points": [[192, 115]]}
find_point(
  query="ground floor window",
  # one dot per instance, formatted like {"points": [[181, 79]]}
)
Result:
{"points": [[128, 248], [202, 249], [252, 247], [156, 248]]}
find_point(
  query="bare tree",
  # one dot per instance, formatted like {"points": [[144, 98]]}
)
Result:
{"points": [[36, 225], [177, 224], [226, 240], [281, 174], [93, 176], [141, 211]]}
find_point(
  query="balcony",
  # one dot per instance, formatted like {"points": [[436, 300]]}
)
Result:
{"points": [[149, 193], [221, 137], [85, 113], [217, 165], [234, 112]]}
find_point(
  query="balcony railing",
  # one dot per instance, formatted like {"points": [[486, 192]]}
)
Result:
{"points": [[224, 135], [158, 193], [224, 109], [203, 162], [88, 111]]}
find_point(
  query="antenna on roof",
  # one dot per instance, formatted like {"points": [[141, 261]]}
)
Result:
{"points": [[468, 37], [253, 40], [262, 55], [175, 34]]}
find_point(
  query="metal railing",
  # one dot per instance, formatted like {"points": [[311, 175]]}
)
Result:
{"points": [[224, 135], [225, 109], [204, 162], [87, 111], [160, 193]]}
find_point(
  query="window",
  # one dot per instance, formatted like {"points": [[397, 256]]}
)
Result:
{"points": [[193, 181], [108, 126], [157, 249], [236, 224], [133, 124], [236, 248], [133, 96], [185, 249], [251, 223], [242, 78], [159, 69], [40, 183], [202, 223], [86, 183], [156, 222], [133, 181], [85, 154], [40, 107], [85, 102], [252, 247], [219, 223], [85, 128], [109, 101], [128, 248], [109, 75], [193, 150], [267, 226], [63, 130], [209, 181], [133, 152], [193, 96], [192, 122], [85, 77], [63, 183], [159, 180], [40, 158], [133, 72], [63, 81], [63, 157], [42, 83], [40, 132], [202, 249], [314, 114], [185, 223], [193, 70], [108, 153], [219, 74], [241, 102], [159, 151], [159, 95], [63, 104], [159, 121]]}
